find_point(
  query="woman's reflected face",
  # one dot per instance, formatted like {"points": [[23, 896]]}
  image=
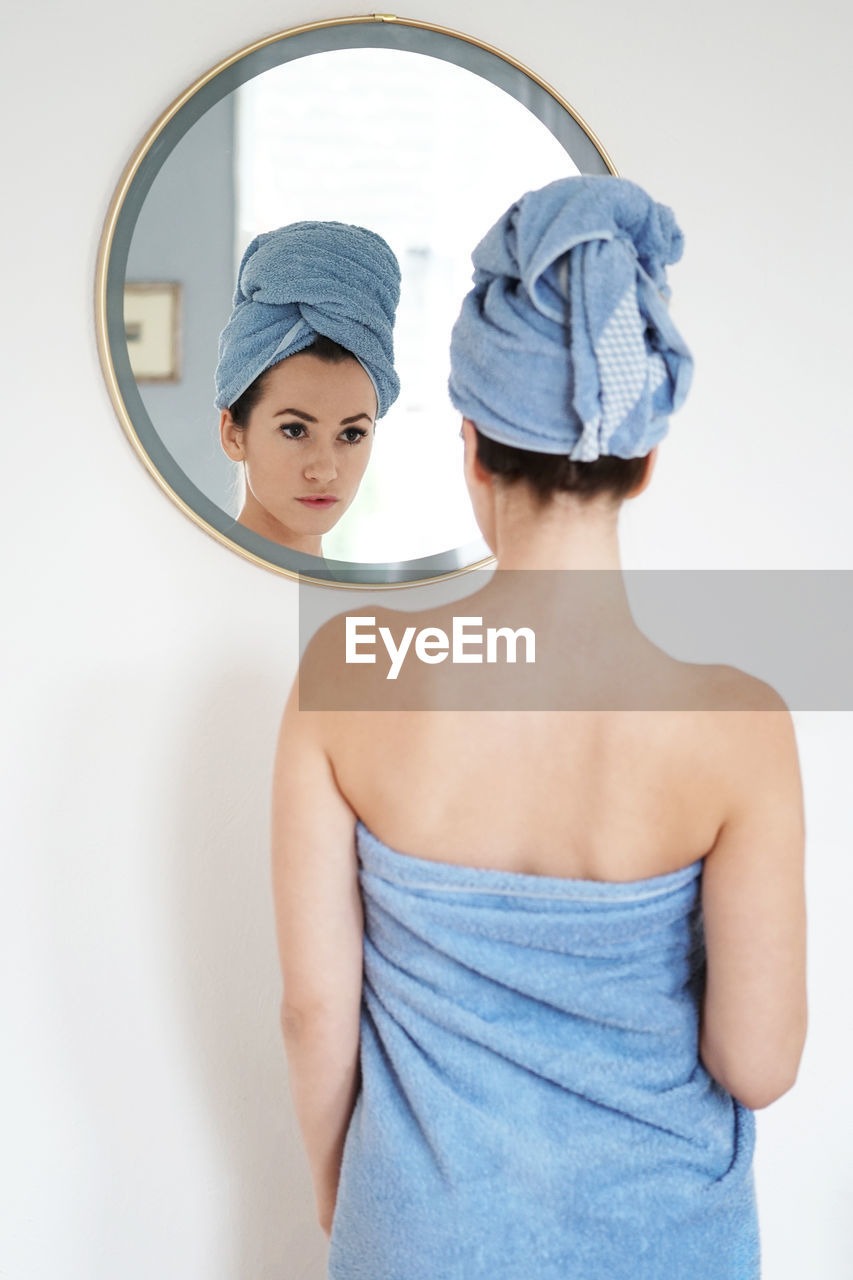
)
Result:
{"points": [[305, 447]]}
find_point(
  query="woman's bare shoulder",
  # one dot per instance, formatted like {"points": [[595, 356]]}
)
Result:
{"points": [[344, 663], [716, 687], [745, 727], [731, 689]]}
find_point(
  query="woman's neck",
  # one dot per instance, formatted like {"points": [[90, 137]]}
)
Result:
{"points": [[562, 535], [560, 565]]}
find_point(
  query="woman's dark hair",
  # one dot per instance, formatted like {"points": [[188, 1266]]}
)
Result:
{"points": [[322, 346], [548, 473]]}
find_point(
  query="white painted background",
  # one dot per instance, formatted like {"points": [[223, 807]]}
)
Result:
{"points": [[148, 1130]]}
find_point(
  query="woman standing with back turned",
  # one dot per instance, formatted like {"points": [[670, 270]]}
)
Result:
{"points": [[540, 966]]}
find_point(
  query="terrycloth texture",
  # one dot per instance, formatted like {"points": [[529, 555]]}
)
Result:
{"points": [[531, 1105], [565, 344], [304, 279]]}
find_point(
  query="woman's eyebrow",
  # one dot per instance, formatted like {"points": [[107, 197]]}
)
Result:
{"points": [[306, 417], [297, 413]]}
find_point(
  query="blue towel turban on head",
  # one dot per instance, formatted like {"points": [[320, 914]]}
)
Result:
{"points": [[306, 279], [565, 344]]}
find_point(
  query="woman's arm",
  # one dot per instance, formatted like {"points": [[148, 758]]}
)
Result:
{"points": [[319, 921], [753, 897]]}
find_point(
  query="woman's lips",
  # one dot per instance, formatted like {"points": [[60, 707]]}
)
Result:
{"points": [[325, 501]]}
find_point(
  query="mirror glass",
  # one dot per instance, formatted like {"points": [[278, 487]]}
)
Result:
{"points": [[419, 135]]}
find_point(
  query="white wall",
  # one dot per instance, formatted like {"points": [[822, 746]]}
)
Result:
{"points": [[148, 1129]]}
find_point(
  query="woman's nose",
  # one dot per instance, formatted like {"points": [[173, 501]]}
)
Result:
{"points": [[321, 464]]}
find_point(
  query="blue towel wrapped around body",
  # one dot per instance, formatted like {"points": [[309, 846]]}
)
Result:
{"points": [[532, 1105], [565, 344], [305, 279]]}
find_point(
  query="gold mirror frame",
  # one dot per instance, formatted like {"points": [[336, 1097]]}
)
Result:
{"points": [[109, 291]]}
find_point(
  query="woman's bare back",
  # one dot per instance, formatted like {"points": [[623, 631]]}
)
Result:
{"points": [[594, 794], [649, 765]]}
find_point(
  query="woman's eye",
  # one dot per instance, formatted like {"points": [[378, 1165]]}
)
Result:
{"points": [[292, 426], [354, 434]]}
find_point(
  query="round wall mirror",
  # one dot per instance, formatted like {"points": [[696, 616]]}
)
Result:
{"points": [[420, 134]]}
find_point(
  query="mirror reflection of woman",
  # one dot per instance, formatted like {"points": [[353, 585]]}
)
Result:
{"points": [[541, 965], [306, 367]]}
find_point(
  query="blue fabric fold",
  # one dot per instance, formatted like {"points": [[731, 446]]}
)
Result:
{"points": [[531, 1100], [305, 279], [565, 344]]}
